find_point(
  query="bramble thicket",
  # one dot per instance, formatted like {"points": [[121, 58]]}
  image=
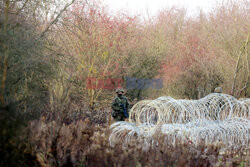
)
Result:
{"points": [[51, 117]]}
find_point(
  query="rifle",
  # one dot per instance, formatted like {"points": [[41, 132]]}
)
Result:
{"points": [[125, 113]]}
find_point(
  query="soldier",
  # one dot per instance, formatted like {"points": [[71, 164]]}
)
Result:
{"points": [[120, 106]]}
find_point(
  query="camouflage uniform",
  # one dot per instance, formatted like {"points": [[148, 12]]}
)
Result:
{"points": [[118, 113]]}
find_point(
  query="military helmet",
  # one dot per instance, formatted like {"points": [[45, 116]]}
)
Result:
{"points": [[218, 90], [119, 89]]}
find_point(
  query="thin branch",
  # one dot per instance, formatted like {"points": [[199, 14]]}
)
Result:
{"points": [[56, 19], [242, 89], [235, 74], [237, 64], [247, 69], [19, 11]]}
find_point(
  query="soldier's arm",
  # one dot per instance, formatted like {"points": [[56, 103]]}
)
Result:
{"points": [[115, 105]]}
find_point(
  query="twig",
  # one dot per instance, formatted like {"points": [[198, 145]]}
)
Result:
{"points": [[19, 11], [237, 65], [56, 19], [247, 69]]}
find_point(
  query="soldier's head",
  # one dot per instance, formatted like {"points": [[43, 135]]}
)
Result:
{"points": [[218, 90], [119, 91]]}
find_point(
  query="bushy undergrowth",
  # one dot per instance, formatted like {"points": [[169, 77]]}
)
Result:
{"points": [[15, 149], [82, 143]]}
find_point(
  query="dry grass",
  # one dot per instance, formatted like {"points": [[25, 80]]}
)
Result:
{"points": [[82, 143]]}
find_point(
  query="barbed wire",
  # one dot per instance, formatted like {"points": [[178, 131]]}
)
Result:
{"points": [[216, 118], [215, 106]]}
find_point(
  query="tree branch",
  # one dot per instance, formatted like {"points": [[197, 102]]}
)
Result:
{"points": [[247, 69], [56, 19], [19, 11], [237, 65]]}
